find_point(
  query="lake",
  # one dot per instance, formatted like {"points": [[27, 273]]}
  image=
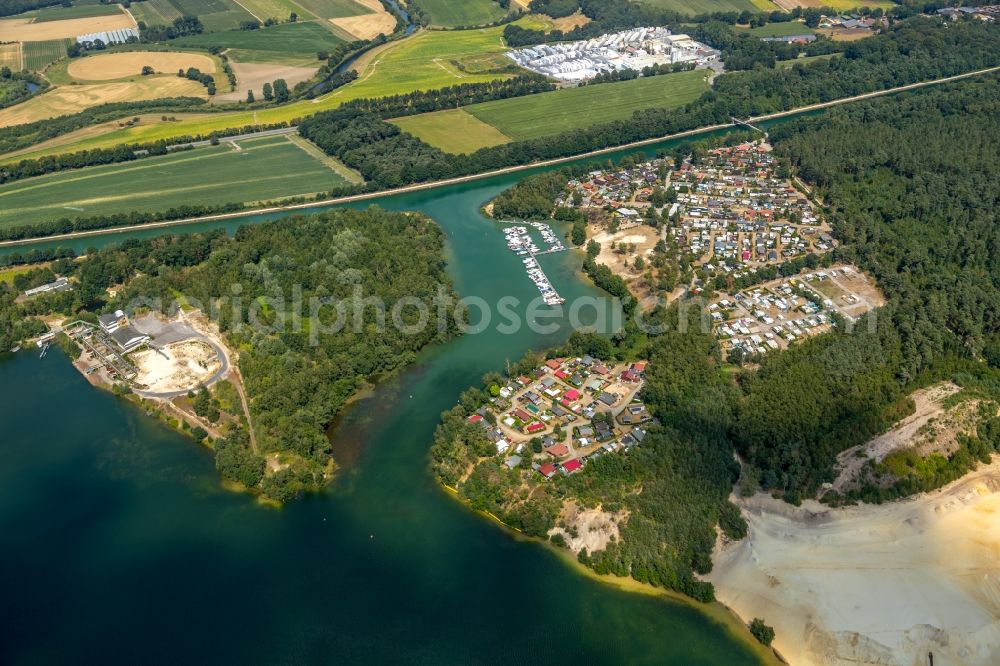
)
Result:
{"points": [[120, 544]]}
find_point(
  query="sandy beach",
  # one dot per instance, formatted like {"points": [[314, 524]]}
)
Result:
{"points": [[888, 584]]}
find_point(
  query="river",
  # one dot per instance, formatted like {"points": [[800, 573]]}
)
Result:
{"points": [[120, 545]]}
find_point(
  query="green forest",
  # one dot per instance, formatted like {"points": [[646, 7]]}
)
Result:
{"points": [[277, 290]]}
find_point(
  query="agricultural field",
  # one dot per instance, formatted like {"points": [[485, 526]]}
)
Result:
{"points": [[39, 55], [277, 9], [453, 131], [260, 169], [329, 9], [110, 66], [693, 7], [59, 13], [66, 100], [804, 60], [27, 30], [289, 43], [10, 56], [421, 62], [372, 22], [837, 5], [452, 13], [253, 76], [215, 15], [154, 12], [550, 113]]}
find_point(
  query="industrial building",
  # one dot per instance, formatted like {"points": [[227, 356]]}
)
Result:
{"points": [[631, 49]]}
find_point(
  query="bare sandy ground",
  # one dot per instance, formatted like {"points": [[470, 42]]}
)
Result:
{"points": [[181, 366], [928, 406], [367, 26], [874, 584], [108, 66], [594, 528], [250, 76], [23, 30]]}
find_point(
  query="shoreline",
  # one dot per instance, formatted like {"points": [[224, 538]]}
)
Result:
{"points": [[493, 173], [717, 611]]}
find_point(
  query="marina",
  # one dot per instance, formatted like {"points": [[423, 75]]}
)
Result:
{"points": [[520, 242]]}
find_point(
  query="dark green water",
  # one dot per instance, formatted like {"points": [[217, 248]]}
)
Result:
{"points": [[119, 544]]}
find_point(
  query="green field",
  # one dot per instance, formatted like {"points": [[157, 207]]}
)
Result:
{"points": [[265, 168], [329, 9], [77, 11], [693, 7], [573, 108], [215, 15], [804, 60], [289, 43], [787, 29], [453, 13], [39, 55], [154, 12], [276, 9], [453, 131]]}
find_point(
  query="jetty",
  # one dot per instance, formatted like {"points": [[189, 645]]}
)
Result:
{"points": [[522, 244]]}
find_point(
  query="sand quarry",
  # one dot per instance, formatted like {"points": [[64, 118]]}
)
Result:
{"points": [[367, 26], [873, 584], [25, 30], [110, 66], [182, 366]]}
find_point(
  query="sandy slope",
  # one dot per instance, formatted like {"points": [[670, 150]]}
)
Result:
{"points": [[874, 584]]}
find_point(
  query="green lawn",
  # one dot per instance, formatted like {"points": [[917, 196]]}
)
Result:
{"points": [[693, 7], [39, 55], [805, 60], [453, 131], [453, 13], [288, 42], [781, 29], [573, 108], [266, 168], [329, 9]]}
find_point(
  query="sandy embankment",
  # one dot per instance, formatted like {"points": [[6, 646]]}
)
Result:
{"points": [[874, 584]]}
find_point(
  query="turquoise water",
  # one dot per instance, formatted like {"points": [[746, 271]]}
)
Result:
{"points": [[120, 545]]}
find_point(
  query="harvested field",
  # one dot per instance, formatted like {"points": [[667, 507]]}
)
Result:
{"points": [[367, 26], [453, 131], [10, 56], [26, 30], [181, 366], [846, 35], [65, 100], [251, 76], [109, 66]]}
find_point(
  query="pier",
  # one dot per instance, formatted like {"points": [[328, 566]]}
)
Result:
{"points": [[521, 243]]}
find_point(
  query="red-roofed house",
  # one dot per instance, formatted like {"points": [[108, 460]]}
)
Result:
{"points": [[475, 418], [557, 450], [639, 367], [553, 364], [562, 375], [536, 427], [572, 395], [523, 381], [548, 470], [571, 466], [600, 369], [522, 415]]}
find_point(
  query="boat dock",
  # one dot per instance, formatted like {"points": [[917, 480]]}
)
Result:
{"points": [[520, 243]]}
